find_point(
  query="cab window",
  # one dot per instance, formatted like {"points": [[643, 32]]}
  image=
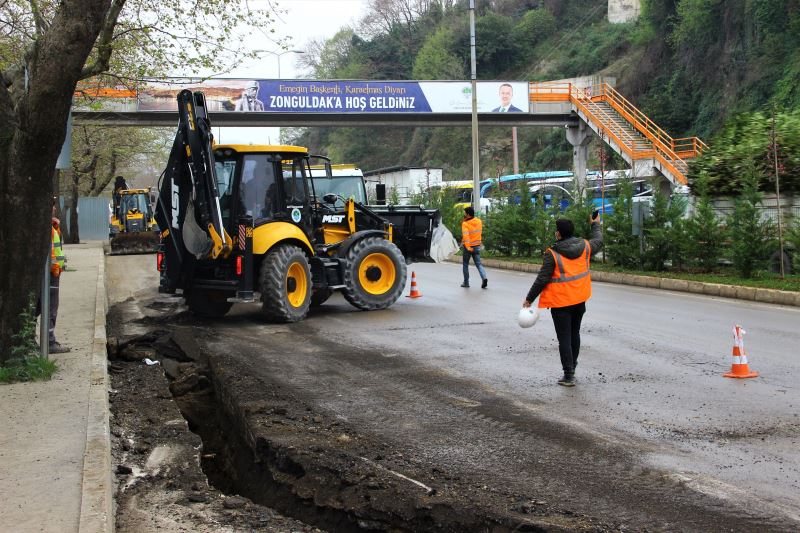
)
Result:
{"points": [[294, 182], [225, 171], [258, 192]]}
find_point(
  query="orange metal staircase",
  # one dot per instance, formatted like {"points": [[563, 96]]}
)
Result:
{"points": [[624, 127]]}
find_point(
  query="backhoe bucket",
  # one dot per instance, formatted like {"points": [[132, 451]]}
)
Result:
{"points": [[144, 242]]}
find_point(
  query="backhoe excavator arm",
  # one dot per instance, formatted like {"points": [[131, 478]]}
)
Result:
{"points": [[188, 210], [195, 131]]}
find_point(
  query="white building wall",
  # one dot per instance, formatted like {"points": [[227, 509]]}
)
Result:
{"points": [[407, 182], [620, 11]]}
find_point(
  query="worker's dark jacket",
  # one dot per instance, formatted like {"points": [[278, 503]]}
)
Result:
{"points": [[570, 248]]}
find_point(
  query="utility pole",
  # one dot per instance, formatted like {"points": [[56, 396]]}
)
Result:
{"points": [[603, 159], [774, 150], [476, 170], [515, 149]]}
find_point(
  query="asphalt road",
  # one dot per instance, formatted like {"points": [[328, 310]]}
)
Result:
{"points": [[649, 376], [653, 435]]}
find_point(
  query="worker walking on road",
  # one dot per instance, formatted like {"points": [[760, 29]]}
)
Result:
{"points": [[564, 285], [471, 229]]}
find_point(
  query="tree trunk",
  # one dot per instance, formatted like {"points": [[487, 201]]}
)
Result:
{"points": [[33, 122], [74, 229]]}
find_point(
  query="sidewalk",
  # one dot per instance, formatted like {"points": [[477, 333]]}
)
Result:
{"points": [[54, 446]]}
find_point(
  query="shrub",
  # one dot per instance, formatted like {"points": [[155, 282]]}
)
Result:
{"points": [[749, 233], [705, 233], [25, 363], [444, 200], [622, 246]]}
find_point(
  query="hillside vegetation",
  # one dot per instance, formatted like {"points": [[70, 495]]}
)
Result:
{"points": [[713, 68]]}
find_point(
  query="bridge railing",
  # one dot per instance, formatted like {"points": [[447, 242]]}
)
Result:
{"points": [[580, 98], [671, 153]]}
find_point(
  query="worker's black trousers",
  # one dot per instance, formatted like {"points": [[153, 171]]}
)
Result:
{"points": [[55, 282], [567, 321]]}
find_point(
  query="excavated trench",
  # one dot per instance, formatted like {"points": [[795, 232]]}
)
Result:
{"points": [[259, 448]]}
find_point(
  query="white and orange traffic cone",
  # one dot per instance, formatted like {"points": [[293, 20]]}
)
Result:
{"points": [[739, 369], [414, 293]]}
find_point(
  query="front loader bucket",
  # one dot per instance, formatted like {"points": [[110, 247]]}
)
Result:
{"points": [[143, 242]]}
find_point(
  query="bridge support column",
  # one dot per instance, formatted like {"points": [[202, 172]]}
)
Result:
{"points": [[579, 137]]}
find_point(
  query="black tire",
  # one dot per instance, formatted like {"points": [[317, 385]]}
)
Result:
{"points": [[285, 283], [320, 296], [374, 275], [208, 303]]}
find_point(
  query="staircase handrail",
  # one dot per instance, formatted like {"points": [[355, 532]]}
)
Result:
{"points": [[644, 125], [665, 149]]}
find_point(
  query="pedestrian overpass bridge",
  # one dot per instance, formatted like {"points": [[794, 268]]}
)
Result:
{"points": [[583, 110]]}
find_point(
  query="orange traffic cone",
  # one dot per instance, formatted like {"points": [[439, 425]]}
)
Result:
{"points": [[414, 292], [739, 368]]}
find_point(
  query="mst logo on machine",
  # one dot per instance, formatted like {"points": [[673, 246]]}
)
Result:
{"points": [[332, 219]]}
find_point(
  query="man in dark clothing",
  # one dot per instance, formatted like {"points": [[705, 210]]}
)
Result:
{"points": [[564, 285]]}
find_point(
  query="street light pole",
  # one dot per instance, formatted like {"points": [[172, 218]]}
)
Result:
{"points": [[279, 54], [476, 171]]}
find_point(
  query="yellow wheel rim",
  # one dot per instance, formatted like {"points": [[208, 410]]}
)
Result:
{"points": [[296, 284], [377, 274]]}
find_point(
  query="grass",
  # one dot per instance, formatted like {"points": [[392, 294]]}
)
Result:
{"points": [[723, 275], [28, 369]]}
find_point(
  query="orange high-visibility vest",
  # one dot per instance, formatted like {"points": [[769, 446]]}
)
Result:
{"points": [[471, 232], [571, 283]]}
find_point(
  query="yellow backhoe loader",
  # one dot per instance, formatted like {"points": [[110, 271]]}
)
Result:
{"points": [[132, 228], [242, 223]]}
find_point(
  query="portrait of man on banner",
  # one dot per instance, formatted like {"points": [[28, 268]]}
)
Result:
{"points": [[506, 94], [249, 100]]}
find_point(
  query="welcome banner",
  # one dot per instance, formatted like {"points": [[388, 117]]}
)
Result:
{"points": [[313, 96]]}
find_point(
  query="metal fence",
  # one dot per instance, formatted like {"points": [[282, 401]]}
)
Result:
{"points": [[790, 208], [93, 216]]}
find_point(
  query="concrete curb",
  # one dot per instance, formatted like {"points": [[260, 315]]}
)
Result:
{"points": [[97, 503], [770, 296]]}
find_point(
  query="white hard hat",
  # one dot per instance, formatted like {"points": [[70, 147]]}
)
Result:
{"points": [[528, 316]]}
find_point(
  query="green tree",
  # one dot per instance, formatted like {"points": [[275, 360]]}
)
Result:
{"points": [[499, 233], [793, 241], [535, 26], [622, 246], [436, 61], [745, 140], [544, 225], [656, 232], [705, 234], [750, 233], [498, 51], [579, 211], [45, 49], [443, 199]]}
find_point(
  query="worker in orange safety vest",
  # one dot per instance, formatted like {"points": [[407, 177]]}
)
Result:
{"points": [[564, 285], [471, 230]]}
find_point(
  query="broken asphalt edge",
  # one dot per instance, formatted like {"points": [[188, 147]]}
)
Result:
{"points": [[754, 294], [97, 503]]}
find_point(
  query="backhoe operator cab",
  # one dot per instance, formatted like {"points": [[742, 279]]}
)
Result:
{"points": [[244, 222]]}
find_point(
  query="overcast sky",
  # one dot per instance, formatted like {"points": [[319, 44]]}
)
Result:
{"points": [[305, 20]]}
